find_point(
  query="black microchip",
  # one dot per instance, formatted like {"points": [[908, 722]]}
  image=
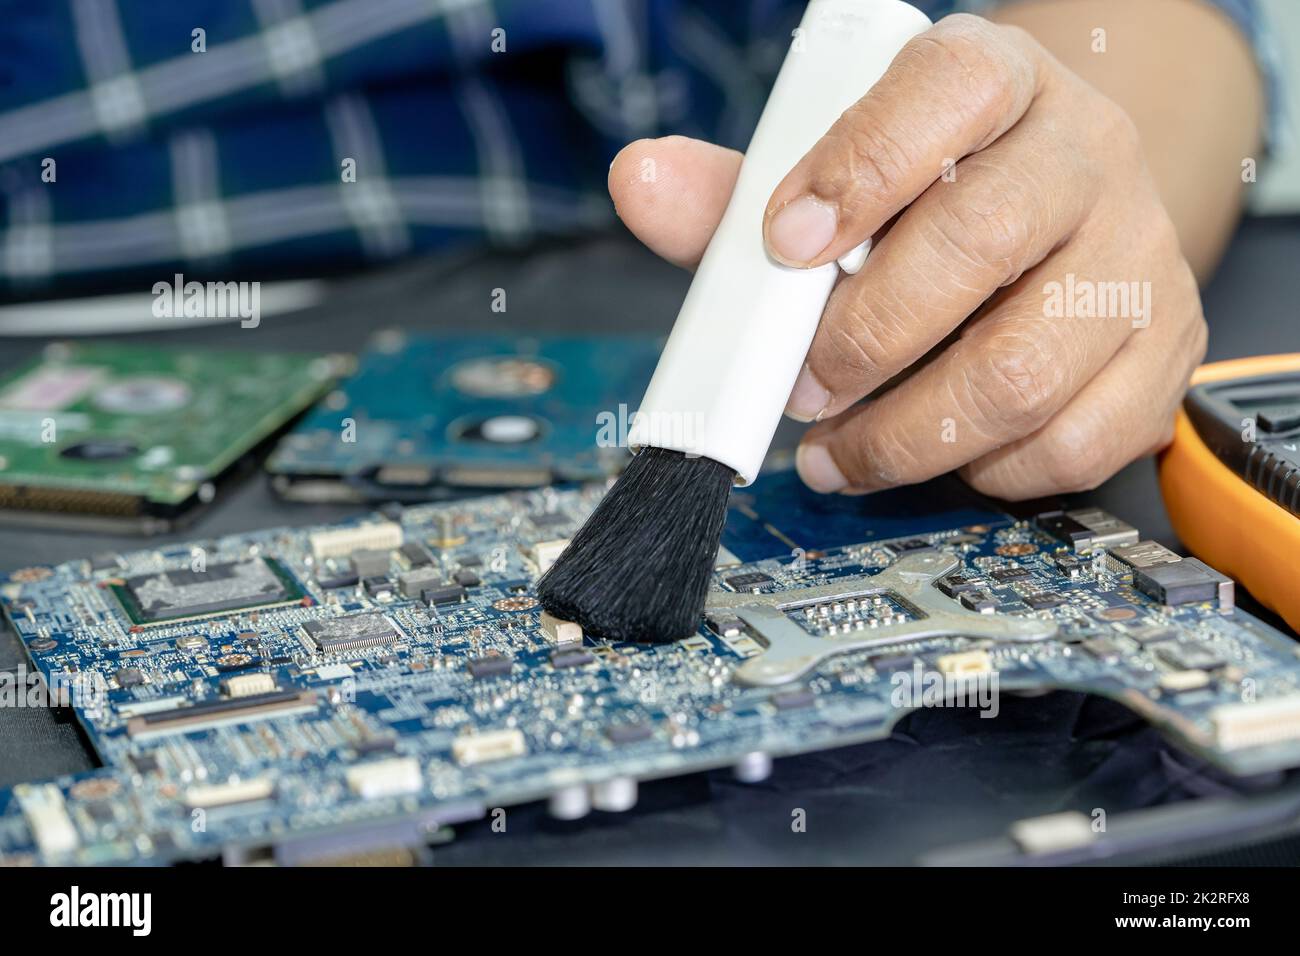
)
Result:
{"points": [[351, 633], [1069, 565], [628, 733], [1102, 648], [130, 677], [345, 580], [978, 601], [185, 593], [1189, 657], [549, 520], [1064, 528], [955, 584], [1003, 575], [748, 581], [239, 665], [100, 811], [469, 561], [375, 745], [723, 624], [467, 578], [445, 594], [378, 585], [415, 554], [1045, 599], [910, 544], [575, 657], [481, 667], [892, 663], [1151, 635], [793, 699], [144, 763]]}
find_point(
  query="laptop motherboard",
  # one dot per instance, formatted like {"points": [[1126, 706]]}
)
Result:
{"points": [[318, 693]]}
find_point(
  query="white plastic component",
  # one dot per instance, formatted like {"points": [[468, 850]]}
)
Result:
{"points": [[1179, 681], [546, 553], [334, 671], [558, 631], [47, 818], [1257, 723], [510, 429], [853, 260], [1054, 832], [753, 767], [616, 795], [340, 542], [570, 803], [745, 327], [472, 749], [385, 778], [246, 685], [965, 663], [207, 796]]}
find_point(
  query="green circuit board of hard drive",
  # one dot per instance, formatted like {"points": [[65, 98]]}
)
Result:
{"points": [[127, 430]]}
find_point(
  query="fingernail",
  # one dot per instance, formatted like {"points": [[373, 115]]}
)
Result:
{"points": [[817, 468], [801, 229], [808, 398]]}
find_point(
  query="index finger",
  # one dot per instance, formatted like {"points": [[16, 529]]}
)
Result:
{"points": [[951, 91]]}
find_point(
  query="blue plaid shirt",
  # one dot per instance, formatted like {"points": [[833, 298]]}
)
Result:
{"points": [[138, 137]]}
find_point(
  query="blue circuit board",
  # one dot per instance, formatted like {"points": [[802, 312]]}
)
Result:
{"points": [[426, 415], [306, 694]]}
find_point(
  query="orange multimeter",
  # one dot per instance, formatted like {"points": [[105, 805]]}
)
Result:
{"points": [[1231, 478]]}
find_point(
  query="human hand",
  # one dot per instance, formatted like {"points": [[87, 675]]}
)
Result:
{"points": [[1021, 251]]}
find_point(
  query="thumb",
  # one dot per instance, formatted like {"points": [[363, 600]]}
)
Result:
{"points": [[672, 192]]}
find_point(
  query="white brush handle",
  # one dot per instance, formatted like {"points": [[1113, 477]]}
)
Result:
{"points": [[744, 330]]}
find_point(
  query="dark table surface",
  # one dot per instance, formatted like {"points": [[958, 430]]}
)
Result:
{"points": [[945, 777]]}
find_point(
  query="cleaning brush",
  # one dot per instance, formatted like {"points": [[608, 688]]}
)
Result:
{"points": [[639, 569]]}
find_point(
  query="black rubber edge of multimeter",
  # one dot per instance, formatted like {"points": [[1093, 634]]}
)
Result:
{"points": [[1253, 426]]}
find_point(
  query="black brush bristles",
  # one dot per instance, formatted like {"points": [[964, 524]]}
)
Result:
{"points": [[638, 570]]}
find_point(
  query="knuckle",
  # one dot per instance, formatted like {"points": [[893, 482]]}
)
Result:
{"points": [[887, 460], [993, 73], [871, 165], [964, 24], [862, 340], [869, 454], [1015, 385], [1119, 133], [984, 222]]}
